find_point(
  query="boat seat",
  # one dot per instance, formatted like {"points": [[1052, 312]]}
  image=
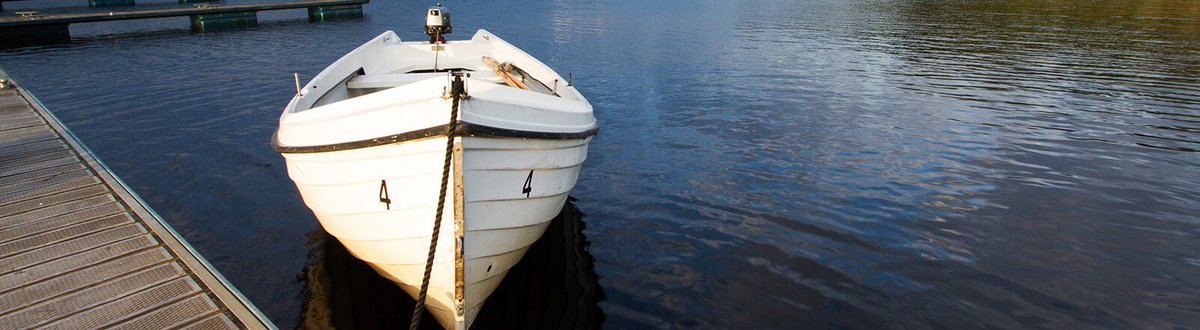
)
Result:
{"points": [[389, 80]]}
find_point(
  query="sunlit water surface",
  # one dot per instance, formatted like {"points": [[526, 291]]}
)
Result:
{"points": [[773, 163]]}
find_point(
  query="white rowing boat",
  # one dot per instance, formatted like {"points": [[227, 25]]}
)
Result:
{"points": [[365, 143]]}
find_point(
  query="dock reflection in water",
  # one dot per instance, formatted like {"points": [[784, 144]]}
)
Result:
{"points": [[555, 286]]}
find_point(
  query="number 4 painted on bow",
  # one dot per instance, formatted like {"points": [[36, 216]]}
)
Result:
{"points": [[528, 184]]}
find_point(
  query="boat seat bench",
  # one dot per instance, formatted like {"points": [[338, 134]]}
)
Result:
{"points": [[389, 80]]}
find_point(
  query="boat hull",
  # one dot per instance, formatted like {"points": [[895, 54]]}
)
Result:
{"points": [[380, 202], [365, 142]]}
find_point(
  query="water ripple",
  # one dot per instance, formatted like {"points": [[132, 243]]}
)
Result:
{"points": [[780, 164]]}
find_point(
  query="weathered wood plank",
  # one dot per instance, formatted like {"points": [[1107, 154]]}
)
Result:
{"points": [[54, 211], [12, 105], [89, 298], [92, 211], [73, 246], [18, 133], [31, 149], [179, 313], [24, 296], [40, 202], [128, 306], [10, 99], [7, 170], [40, 136], [66, 233], [27, 186], [38, 174], [64, 265], [38, 158], [37, 189], [11, 122], [218, 321]]}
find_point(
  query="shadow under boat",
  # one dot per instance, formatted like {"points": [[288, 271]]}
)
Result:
{"points": [[555, 286]]}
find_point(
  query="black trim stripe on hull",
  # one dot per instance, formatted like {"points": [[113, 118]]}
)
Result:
{"points": [[464, 129]]}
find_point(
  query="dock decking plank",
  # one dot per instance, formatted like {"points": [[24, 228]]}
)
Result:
{"points": [[98, 240], [11, 102], [87, 299], [129, 305], [78, 230], [85, 211], [70, 263], [18, 133], [38, 174], [5, 170], [15, 209], [33, 159], [8, 192], [219, 321], [78, 249], [19, 122], [6, 144], [14, 108], [32, 149], [54, 211], [23, 296], [50, 186], [171, 316]]}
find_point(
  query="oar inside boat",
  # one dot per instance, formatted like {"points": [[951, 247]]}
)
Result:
{"points": [[513, 76], [503, 70]]}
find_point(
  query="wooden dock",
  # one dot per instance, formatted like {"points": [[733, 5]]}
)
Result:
{"points": [[99, 3], [78, 249], [25, 26]]}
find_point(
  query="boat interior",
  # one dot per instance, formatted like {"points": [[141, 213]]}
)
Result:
{"points": [[362, 82]]}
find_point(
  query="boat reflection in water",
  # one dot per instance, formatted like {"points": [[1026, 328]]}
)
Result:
{"points": [[554, 287]]}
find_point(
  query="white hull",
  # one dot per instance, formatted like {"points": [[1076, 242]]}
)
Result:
{"points": [[500, 222], [502, 191]]}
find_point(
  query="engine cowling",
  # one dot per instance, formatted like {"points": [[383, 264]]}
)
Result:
{"points": [[437, 23]]}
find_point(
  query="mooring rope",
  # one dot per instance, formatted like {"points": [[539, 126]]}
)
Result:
{"points": [[457, 92]]}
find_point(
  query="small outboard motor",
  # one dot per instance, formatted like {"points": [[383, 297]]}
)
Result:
{"points": [[437, 23]]}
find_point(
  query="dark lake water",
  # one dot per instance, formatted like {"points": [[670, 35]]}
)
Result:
{"points": [[761, 164]]}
